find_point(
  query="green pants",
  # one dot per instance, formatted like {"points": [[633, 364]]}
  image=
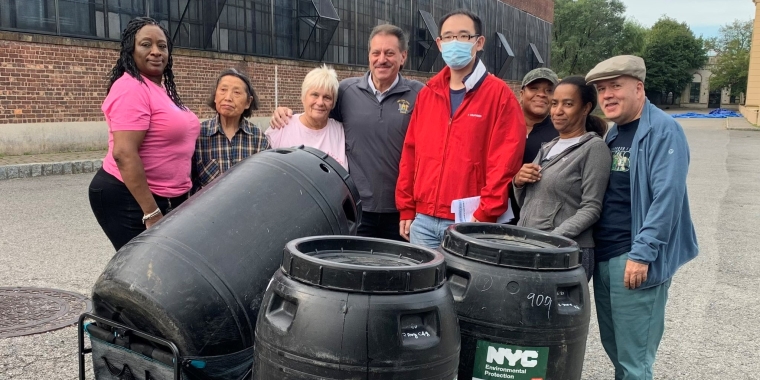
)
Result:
{"points": [[631, 322]]}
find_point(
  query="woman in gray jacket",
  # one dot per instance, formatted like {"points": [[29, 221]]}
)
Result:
{"points": [[562, 190]]}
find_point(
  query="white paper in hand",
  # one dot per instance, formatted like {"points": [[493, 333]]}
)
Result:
{"points": [[465, 207]]}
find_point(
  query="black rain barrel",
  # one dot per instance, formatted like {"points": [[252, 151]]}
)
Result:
{"points": [[198, 276], [346, 307], [522, 299]]}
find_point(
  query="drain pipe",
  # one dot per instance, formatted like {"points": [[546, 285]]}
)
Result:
{"points": [[276, 93]]}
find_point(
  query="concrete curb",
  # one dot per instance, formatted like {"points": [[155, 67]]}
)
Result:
{"points": [[740, 124], [49, 168]]}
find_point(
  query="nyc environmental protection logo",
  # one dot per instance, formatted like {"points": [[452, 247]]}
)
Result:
{"points": [[495, 361]]}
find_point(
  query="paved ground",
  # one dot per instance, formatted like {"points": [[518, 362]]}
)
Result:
{"points": [[740, 124], [49, 238]]}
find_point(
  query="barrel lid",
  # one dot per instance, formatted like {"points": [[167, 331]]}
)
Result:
{"points": [[511, 246], [360, 264]]}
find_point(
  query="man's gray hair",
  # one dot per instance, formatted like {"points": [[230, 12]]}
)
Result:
{"points": [[391, 30]]}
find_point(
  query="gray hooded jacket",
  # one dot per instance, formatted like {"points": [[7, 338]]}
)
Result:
{"points": [[568, 199]]}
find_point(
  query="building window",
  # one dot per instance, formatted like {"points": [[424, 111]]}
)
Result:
{"points": [[81, 17], [190, 23], [365, 23], [187, 23], [696, 88], [285, 27], [262, 27], [341, 49], [236, 27], [119, 14], [90, 18], [333, 31], [30, 15]]}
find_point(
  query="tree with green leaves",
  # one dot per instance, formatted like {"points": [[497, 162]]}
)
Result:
{"points": [[633, 38], [672, 53], [585, 32], [732, 60]]}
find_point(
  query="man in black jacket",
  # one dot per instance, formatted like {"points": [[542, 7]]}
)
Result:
{"points": [[375, 110]]}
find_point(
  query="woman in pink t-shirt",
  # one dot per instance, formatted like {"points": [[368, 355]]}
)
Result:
{"points": [[314, 127], [151, 137]]}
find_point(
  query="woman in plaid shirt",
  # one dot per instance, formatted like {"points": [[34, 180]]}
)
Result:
{"points": [[228, 137]]}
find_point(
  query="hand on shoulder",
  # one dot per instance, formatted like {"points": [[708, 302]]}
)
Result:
{"points": [[280, 117]]}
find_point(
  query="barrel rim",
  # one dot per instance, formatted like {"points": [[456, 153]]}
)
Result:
{"points": [[308, 269], [458, 240]]}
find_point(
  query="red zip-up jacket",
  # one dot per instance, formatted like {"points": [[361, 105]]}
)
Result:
{"points": [[474, 153]]}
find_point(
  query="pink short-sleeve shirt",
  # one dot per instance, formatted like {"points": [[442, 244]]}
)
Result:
{"points": [[329, 139], [167, 149]]}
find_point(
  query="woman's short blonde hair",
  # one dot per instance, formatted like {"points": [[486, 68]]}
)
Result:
{"points": [[322, 78]]}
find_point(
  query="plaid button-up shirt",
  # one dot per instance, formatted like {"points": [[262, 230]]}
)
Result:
{"points": [[215, 153]]}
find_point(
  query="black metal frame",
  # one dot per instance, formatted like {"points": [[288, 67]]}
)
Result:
{"points": [[535, 56], [153, 339], [426, 41], [318, 17], [501, 42]]}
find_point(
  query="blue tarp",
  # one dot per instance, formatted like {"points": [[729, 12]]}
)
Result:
{"points": [[719, 113]]}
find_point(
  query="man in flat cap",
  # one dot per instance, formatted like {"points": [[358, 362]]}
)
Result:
{"points": [[645, 232]]}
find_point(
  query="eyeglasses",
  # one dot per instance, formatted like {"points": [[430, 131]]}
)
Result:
{"points": [[459, 37]]}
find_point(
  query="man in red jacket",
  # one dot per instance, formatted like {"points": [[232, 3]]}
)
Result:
{"points": [[465, 139]]}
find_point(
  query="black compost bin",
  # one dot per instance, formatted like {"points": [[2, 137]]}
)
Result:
{"points": [[522, 299], [198, 276], [357, 308]]}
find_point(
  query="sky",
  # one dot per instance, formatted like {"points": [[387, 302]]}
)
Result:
{"points": [[704, 17]]}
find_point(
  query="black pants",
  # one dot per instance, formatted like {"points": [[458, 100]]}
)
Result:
{"points": [[515, 207], [382, 225], [587, 260], [117, 211]]}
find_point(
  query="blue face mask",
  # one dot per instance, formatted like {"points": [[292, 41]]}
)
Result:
{"points": [[457, 54]]}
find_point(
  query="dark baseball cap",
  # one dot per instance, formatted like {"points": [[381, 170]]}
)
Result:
{"points": [[540, 73]]}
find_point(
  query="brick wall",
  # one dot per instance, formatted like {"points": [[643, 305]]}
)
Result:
{"points": [[543, 9], [57, 79]]}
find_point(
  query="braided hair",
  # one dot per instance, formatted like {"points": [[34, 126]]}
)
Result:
{"points": [[126, 61]]}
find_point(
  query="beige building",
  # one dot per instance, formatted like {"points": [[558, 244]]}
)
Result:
{"points": [[751, 109], [699, 95]]}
